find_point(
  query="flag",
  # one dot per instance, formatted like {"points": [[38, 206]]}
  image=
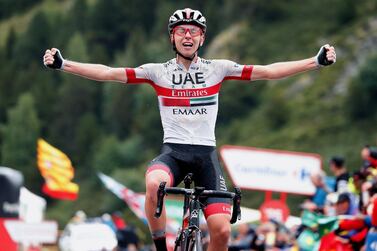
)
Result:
{"points": [[308, 240], [327, 225], [57, 170], [135, 201]]}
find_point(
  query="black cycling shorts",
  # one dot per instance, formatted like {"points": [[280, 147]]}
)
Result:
{"points": [[180, 159]]}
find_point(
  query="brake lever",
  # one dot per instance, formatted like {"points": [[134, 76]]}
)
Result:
{"points": [[160, 199]]}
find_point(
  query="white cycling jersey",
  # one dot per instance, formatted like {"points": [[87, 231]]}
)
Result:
{"points": [[188, 99]]}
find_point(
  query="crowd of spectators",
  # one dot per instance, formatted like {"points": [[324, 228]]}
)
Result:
{"points": [[341, 215]]}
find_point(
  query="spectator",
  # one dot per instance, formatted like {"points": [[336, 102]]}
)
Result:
{"points": [[243, 238], [338, 168], [127, 239], [346, 204], [107, 219], [355, 185], [324, 185], [79, 217], [118, 220], [126, 235], [369, 156]]}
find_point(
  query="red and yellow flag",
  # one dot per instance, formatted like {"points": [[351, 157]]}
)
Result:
{"points": [[57, 170]]}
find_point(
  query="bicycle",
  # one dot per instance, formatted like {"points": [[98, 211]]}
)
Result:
{"points": [[189, 236]]}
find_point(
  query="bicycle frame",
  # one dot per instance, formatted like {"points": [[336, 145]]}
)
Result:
{"points": [[189, 236]]}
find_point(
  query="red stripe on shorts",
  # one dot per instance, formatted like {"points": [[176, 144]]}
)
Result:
{"points": [[162, 168], [217, 208]]}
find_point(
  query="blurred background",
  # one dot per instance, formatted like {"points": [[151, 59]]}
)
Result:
{"points": [[116, 130]]}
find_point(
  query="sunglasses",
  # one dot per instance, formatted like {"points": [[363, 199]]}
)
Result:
{"points": [[182, 31]]}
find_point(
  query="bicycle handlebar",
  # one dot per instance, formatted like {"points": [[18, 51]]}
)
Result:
{"points": [[199, 191]]}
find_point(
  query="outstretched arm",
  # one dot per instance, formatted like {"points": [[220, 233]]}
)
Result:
{"points": [[325, 56], [53, 59]]}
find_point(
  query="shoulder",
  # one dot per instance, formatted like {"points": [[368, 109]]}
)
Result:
{"points": [[226, 64], [216, 61], [168, 63], [150, 66]]}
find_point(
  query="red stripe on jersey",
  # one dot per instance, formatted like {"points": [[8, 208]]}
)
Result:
{"points": [[175, 102], [187, 93], [132, 79], [245, 75], [246, 72]]}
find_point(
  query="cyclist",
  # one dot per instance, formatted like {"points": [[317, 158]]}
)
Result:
{"points": [[187, 87]]}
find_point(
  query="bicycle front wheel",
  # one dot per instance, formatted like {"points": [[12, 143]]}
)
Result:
{"points": [[194, 241]]}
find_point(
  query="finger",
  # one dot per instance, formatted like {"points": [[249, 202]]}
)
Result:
{"points": [[331, 58], [47, 62], [48, 57], [54, 50], [330, 54]]}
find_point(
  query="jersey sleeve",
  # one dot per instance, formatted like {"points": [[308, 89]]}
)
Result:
{"points": [[141, 74], [234, 71]]}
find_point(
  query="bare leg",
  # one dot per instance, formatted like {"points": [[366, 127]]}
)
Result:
{"points": [[152, 181], [219, 232]]}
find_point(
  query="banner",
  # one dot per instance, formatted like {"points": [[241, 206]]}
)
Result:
{"points": [[57, 170], [271, 170]]}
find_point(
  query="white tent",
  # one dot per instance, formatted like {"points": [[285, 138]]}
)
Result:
{"points": [[32, 207], [249, 215]]}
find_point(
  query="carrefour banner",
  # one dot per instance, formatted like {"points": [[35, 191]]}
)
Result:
{"points": [[271, 170]]}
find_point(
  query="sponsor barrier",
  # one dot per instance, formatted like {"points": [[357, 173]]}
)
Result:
{"points": [[271, 171]]}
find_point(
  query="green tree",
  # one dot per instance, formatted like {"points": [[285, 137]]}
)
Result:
{"points": [[20, 135], [88, 135], [77, 96], [237, 100], [9, 7], [118, 109], [78, 16], [114, 154], [147, 119], [276, 111], [30, 46], [9, 44], [361, 102], [119, 100], [108, 25]]}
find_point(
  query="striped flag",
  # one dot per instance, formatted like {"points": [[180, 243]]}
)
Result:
{"points": [[57, 170], [136, 202]]}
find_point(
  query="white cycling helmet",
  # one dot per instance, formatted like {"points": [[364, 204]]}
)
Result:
{"points": [[187, 16]]}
